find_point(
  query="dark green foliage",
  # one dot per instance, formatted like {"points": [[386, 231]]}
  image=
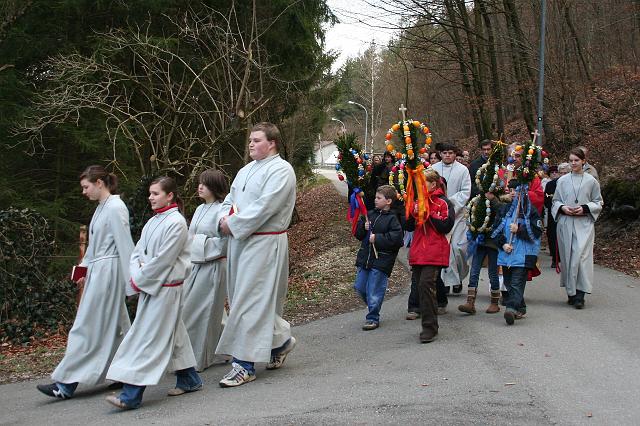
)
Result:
{"points": [[477, 207], [346, 144], [32, 301], [618, 193]]}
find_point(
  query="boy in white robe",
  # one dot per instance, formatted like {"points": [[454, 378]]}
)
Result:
{"points": [[262, 199]]}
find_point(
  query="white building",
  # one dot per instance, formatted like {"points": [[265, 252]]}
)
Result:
{"points": [[326, 154]]}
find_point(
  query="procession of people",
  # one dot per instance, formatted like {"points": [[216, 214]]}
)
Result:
{"points": [[235, 252]]}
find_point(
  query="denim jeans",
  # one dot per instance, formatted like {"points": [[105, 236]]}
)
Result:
{"points": [[188, 379], [67, 388], [515, 279], [371, 285], [131, 395], [250, 365], [492, 266]]}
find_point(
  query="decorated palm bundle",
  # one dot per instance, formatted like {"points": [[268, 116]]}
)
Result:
{"points": [[487, 179], [414, 140], [354, 167]]}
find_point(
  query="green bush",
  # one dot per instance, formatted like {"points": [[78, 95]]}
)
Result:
{"points": [[31, 301]]}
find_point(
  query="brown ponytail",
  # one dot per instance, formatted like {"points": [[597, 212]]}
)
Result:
{"points": [[95, 172], [168, 184]]}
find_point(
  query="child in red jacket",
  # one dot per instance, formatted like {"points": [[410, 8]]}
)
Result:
{"points": [[429, 252]]}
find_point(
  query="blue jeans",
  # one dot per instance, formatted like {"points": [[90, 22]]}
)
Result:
{"points": [[188, 379], [67, 388], [515, 279], [131, 395], [250, 365], [371, 285], [476, 265]]}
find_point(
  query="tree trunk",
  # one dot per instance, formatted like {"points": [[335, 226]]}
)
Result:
{"points": [[493, 62]]}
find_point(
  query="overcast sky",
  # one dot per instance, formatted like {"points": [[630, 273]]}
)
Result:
{"points": [[357, 27]]}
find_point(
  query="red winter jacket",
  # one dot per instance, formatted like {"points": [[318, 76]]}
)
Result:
{"points": [[429, 245]]}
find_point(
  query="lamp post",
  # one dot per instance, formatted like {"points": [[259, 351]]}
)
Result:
{"points": [[366, 122], [344, 128]]}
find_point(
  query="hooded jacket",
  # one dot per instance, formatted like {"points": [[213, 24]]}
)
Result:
{"points": [[389, 238], [429, 245]]}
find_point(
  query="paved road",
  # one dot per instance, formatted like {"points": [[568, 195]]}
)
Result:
{"points": [[557, 366]]}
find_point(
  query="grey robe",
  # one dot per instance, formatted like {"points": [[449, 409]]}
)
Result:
{"points": [[458, 192], [158, 340], [258, 265], [576, 234], [206, 288], [102, 319]]}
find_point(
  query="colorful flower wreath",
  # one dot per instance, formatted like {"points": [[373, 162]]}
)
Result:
{"points": [[410, 133], [354, 167]]}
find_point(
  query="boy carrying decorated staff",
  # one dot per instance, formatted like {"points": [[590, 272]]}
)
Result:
{"points": [[382, 237], [517, 230]]}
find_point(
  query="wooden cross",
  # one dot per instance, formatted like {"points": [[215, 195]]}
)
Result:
{"points": [[403, 110], [535, 136]]}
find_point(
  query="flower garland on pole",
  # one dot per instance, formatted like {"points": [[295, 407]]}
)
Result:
{"points": [[354, 167], [410, 133], [479, 215]]}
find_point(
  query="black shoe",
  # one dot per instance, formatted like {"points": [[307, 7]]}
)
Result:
{"points": [[115, 386], [427, 337], [571, 300], [457, 288], [52, 390], [579, 304], [510, 317], [553, 265]]}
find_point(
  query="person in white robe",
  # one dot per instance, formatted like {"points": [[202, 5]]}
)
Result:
{"points": [[102, 319], [157, 340], [206, 288], [577, 203], [262, 199], [458, 182]]}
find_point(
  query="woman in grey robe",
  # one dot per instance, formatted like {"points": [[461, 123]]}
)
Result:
{"points": [[102, 320], [577, 203], [206, 289], [158, 340]]}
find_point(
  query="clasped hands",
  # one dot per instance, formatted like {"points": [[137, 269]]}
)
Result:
{"points": [[573, 211], [223, 226]]}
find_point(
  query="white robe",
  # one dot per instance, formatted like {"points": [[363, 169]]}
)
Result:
{"points": [[157, 340], [576, 234], [458, 192], [206, 288], [264, 193], [102, 319]]}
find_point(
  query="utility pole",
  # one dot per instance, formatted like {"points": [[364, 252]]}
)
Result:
{"points": [[543, 12]]}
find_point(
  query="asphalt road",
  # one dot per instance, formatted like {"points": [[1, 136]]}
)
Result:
{"points": [[557, 366]]}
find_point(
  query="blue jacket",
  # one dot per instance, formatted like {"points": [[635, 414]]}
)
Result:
{"points": [[526, 242]]}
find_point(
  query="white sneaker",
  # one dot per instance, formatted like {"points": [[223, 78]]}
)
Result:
{"points": [[236, 377], [277, 360]]}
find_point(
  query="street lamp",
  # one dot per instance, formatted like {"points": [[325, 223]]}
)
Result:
{"points": [[366, 122], [344, 128]]}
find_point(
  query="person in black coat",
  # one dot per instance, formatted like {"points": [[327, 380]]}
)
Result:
{"points": [[382, 237], [485, 149]]}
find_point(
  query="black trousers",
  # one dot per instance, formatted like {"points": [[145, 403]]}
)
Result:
{"points": [[413, 304], [426, 278], [552, 238]]}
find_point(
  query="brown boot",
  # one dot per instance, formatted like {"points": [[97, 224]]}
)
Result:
{"points": [[494, 307], [470, 306]]}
